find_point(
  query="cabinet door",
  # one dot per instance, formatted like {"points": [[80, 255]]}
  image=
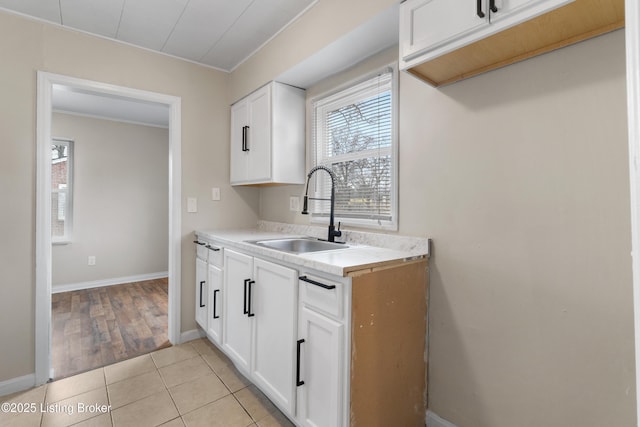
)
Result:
{"points": [[214, 313], [236, 335], [259, 135], [428, 24], [274, 302], [512, 12], [320, 397], [239, 156], [201, 293]]}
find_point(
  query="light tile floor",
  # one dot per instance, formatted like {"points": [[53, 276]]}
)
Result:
{"points": [[192, 384]]}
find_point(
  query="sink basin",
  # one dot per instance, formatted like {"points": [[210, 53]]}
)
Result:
{"points": [[299, 245]]}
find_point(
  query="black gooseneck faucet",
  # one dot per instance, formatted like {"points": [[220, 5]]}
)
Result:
{"points": [[333, 233]]}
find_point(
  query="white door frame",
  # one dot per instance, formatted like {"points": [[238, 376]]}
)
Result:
{"points": [[43, 207], [632, 42]]}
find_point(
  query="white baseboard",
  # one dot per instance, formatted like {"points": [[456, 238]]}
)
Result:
{"points": [[108, 282], [433, 420], [191, 335], [15, 385]]}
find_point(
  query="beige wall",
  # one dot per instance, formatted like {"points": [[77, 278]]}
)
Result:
{"points": [[120, 200], [520, 176], [27, 46], [323, 24]]}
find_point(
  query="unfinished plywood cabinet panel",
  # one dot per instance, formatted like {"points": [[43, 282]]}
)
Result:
{"points": [[574, 22], [388, 347]]}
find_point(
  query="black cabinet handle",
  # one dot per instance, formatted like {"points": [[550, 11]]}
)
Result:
{"points": [[298, 382], [201, 284], [249, 313], [245, 138], [479, 11], [313, 282], [213, 248], [215, 295], [492, 6], [245, 296], [199, 243]]}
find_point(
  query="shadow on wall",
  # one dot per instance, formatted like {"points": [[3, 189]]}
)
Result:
{"points": [[514, 89]]}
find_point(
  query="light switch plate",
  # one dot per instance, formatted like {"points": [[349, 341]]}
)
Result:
{"points": [[192, 205], [215, 193]]}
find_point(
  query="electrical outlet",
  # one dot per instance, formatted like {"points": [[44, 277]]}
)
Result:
{"points": [[92, 260], [294, 203]]}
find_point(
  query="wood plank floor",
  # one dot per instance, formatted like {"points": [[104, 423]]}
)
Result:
{"points": [[100, 326]]}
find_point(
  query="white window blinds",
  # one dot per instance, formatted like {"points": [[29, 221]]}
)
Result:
{"points": [[354, 135]]}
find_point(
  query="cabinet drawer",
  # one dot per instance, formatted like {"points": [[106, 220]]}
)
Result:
{"points": [[321, 294], [201, 249], [215, 255]]}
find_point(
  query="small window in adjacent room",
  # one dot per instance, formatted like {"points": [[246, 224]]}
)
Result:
{"points": [[355, 135], [61, 190]]}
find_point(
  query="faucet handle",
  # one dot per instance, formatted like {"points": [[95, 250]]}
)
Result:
{"points": [[337, 232]]}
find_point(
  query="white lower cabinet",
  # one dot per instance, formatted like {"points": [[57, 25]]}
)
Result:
{"points": [[236, 338], [214, 313], [292, 333], [274, 300], [319, 365], [201, 293], [260, 323]]}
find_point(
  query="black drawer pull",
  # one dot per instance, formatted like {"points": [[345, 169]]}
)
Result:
{"points": [[199, 243], [215, 295], [245, 296], [249, 313], [479, 11], [201, 285], [213, 248], [298, 381], [492, 6], [313, 282]]}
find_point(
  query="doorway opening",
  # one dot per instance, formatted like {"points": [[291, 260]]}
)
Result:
{"points": [[49, 86]]}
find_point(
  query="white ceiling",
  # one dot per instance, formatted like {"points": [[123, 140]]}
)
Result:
{"points": [[217, 33], [66, 99]]}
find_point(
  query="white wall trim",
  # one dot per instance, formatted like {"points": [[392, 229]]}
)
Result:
{"points": [[15, 385], [433, 420], [43, 206], [191, 335], [108, 282]]}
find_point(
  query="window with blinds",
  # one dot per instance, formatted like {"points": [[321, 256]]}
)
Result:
{"points": [[355, 136]]}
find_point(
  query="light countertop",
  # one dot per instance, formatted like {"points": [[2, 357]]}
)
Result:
{"points": [[365, 251]]}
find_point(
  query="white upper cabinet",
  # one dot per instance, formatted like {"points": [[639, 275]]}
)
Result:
{"points": [[431, 28], [428, 24], [267, 136], [444, 41]]}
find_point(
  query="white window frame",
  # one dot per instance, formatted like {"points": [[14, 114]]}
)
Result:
{"points": [[345, 94], [68, 214]]}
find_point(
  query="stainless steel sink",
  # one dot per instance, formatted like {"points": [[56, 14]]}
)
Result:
{"points": [[298, 245]]}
